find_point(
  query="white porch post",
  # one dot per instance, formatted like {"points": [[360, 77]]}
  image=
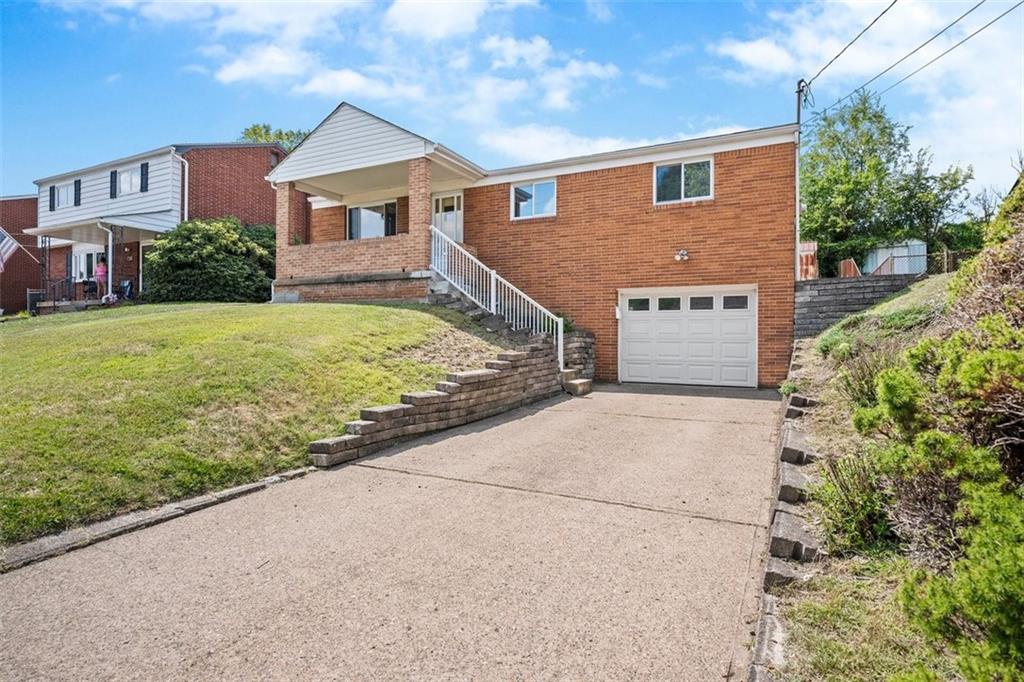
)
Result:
{"points": [[110, 262]]}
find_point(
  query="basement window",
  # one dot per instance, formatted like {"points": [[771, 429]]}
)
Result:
{"points": [[683, 181]]}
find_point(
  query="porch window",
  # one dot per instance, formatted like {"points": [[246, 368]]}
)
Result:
{"points": [[378, 220], [83, 264], [689, 181], [533, 199]]}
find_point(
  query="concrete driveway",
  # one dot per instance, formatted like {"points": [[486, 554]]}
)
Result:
{"points": [[610, 537]]}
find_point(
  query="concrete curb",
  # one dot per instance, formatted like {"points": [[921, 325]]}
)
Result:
{"points": [[17, 556], [768, 645]]}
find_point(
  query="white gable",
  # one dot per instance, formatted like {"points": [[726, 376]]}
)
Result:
{"points": [[346, 140]]}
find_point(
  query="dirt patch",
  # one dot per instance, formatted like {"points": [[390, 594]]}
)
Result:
{"points": [[456, 350]]}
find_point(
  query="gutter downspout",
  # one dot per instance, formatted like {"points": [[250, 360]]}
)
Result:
{"points": [[110, 258], [184, 161]]}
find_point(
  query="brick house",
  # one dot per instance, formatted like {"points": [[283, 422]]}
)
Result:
{"points": [[22, 271], [115, 209], [680, 257]]}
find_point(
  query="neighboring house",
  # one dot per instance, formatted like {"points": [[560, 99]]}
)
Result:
{"points": [[680, 257], [115, 209], [20, 270], [908, 257]]}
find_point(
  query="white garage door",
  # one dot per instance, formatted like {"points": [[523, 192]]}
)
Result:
{"points": [[689, 336]]}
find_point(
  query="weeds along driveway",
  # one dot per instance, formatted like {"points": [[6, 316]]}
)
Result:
{"points": [[613, 536]]}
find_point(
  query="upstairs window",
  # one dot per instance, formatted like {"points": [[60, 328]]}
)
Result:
{"points": [[378, 220], [129, 180], [66, 195], [689, 181], [533, 199]]}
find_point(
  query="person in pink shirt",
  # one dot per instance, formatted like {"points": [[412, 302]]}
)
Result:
{"points": [[100, 275]]}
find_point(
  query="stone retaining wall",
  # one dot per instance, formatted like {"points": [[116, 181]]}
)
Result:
{"points": [[820, 303], [579, 352], [516, 378]]}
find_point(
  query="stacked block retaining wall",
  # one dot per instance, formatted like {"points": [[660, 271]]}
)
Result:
{"points": [[820, 303], [516, 378]]}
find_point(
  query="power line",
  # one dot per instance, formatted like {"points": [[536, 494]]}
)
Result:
{"points": [[929, 63], [847, 46], [916, 49]]}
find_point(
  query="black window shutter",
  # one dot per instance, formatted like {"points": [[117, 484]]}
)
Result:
{"points": [[53, 197], [144, 178], [113, 184], [78, 192]]}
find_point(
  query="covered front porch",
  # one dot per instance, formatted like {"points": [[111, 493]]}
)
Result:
{"points": [[92, 263], [364, 234]]}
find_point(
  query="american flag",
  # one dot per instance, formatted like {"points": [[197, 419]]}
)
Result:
{"points": [[8, 247]]}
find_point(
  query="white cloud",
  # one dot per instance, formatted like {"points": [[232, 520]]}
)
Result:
{"points": [[265, 63], [599, 10], [508, 52], [967, 106], [482, 104], [112, 78], [348, 84], [561, 83], [531, 142], [434, 20], [651, 81], [762, 55]]}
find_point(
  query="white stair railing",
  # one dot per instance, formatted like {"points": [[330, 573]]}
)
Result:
{"points": [[491, 291]]}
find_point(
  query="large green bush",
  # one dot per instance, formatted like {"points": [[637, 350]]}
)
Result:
{"points": [[208, 260]]}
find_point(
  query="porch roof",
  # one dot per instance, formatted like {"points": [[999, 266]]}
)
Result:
{"points": [[90, 233]]}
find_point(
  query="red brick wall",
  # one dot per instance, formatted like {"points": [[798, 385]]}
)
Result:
{"points": [[227, 181], [328, 224], [20, 272], [608, 235]]}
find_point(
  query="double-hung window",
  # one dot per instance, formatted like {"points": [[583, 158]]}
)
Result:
{"points": [[533, 199], [377, 220], [683, 181], [129, 180], [65, 195]]}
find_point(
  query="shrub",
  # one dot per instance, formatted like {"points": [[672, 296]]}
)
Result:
{"points": [[853, 505], [788, 387], [908, 318], [976, 607], [265, 236], [856, 377], [207, 260], [900, 396]]}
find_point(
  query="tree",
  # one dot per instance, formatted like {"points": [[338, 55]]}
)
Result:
{"points": [[862, 186], [207, 260], [262, 132]]}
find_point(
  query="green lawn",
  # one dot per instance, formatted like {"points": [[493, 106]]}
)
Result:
{"points": [[106, 411]]}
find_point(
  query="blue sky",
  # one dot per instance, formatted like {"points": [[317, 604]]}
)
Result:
{"points": [[502, 82]]}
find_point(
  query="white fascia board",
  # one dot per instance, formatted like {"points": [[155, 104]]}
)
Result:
{"points": [[276, 175], [107, 164], [321, 202], [671, 151]]}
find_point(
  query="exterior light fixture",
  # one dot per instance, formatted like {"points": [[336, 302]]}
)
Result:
{"points": [[682, 254]]}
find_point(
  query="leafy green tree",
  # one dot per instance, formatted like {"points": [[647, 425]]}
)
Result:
{"points": [[262, 132], [207, 260], [862, 186]]}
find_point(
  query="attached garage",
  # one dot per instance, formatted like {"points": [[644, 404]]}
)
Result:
{"points": [[689, 335]]}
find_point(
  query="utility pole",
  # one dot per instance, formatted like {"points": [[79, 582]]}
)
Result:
{"points": [[801, 88]]}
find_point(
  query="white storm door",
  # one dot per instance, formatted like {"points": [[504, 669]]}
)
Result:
{"points": [[448, 215]]}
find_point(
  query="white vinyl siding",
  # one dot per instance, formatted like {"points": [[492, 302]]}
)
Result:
{"points": [[158, 208], [349, 139]]}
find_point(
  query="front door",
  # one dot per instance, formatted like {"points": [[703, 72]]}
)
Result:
{"points": [[448, 215]]}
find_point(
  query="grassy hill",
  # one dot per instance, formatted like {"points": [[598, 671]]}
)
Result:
{"points": [[123, 409]]}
